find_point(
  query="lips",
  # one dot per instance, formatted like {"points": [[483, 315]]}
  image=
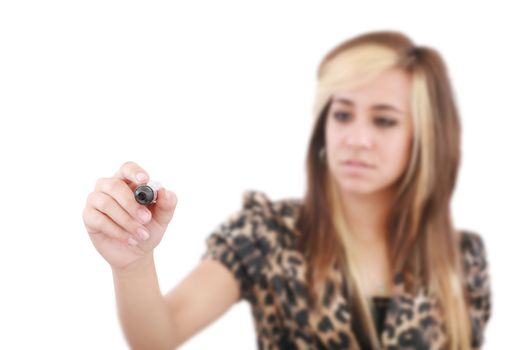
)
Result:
{"points": [[356, 162]]}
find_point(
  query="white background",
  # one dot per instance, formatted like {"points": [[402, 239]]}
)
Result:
{"points": [[214, 98]]}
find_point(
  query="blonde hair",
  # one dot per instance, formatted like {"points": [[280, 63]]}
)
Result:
{"points": [[422, 242]]}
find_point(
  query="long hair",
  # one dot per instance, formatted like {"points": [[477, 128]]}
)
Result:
{"points": [[422, 243]]}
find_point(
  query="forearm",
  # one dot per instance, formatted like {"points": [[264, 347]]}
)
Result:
{"points": [[143, 313]]}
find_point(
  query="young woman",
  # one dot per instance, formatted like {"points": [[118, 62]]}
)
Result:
{"points": [[368, 259]]}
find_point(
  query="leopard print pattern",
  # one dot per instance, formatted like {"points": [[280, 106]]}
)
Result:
{"points": [[258, 244]]}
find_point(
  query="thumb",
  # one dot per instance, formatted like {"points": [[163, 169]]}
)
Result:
{"points": [[163, 210]]}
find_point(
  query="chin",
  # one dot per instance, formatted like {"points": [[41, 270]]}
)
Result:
{"points": [[358, 187], [357, 192], [361, 185]]}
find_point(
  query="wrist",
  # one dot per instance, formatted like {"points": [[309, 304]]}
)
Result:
{"points": [[136, 268]]}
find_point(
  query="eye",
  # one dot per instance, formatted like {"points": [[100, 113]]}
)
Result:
{"points": [[382, 121], [340, 115]]}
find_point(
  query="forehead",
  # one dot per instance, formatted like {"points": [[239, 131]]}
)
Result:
{"points": [[390, 87]]}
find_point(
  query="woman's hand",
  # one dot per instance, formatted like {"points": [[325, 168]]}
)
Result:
{"points": [[122, 230]]}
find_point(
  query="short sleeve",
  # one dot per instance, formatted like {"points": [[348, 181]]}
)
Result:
{"points": [[240, 245], [478, 284]]}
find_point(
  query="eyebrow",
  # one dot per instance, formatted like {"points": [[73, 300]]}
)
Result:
{"points": [[380, 106]]}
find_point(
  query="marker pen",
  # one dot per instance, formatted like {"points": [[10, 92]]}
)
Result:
{"points": [[147, 194]]}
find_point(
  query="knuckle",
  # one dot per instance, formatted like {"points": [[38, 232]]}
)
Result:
{"points": [[131, 207], [130, 221], [91, 199], [119, 233], [86, 217], [87, 202], [113, 185], [123, 234], [96, 221], [132, 227], [103, 203], [100, 183]]}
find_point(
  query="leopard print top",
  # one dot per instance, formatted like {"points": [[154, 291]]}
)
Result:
{"points": [[257, 244]]}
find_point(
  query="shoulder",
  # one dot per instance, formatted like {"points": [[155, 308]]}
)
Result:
{"points": [[283, 211], [477, 274], [259, 210], [250, 237], [474, 255], [260, 226], [471, 243]]}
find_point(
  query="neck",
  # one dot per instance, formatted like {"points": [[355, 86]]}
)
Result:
{"points": [[367, 215]]}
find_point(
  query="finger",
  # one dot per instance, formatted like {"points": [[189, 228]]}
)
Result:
{"points": [[124, 196], [132, 173], [108, 206], [99, 223], [163, 210]]}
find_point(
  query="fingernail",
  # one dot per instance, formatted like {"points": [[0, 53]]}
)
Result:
{"points": [[143, 215], [132, 242], [143, 233], [141, 177]]}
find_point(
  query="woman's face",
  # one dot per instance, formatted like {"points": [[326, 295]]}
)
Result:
{"points": [[370, 124]]}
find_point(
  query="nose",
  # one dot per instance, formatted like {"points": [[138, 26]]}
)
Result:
{"points": [[359, 136]]}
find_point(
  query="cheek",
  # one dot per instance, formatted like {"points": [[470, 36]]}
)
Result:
{"points": [[332, 136], [404, 153], [397, 153]]}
